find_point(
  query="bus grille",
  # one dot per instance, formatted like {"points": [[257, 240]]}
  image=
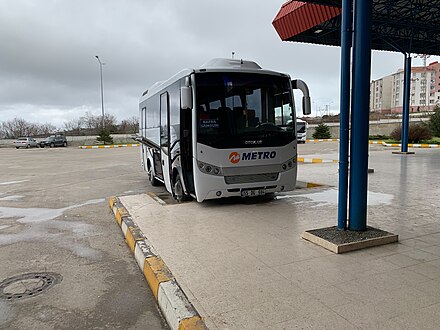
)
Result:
{"points": [[251, 178]]}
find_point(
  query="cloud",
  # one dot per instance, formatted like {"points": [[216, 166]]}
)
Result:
{"points": [[49, 73]]}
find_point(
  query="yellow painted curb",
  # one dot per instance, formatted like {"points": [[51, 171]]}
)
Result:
{"points": [[131, 241], [193, 323], [313, 185], [110, 146], [322, 140], [120, 212], [156, 272], [172, 301], [112, 201], [315, 160]]}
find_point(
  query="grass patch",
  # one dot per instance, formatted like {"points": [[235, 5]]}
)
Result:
{"points": [[379, 137]]}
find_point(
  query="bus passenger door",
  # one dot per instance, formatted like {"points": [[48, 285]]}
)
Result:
{"points": [[164, 140]]}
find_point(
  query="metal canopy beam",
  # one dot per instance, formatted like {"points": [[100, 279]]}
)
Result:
{"points": [[411, 26], [407, 26]]}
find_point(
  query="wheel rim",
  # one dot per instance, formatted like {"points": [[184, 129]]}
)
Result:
{"points": [[178, 190], [150, 174]]}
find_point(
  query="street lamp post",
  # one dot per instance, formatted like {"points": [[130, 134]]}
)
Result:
{"points": [[102, 90]]}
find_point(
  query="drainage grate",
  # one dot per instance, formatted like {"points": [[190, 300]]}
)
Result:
{"points": [[27, 285]]}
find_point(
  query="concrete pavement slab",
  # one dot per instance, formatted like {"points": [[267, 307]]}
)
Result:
{"points": [[242, 263]]}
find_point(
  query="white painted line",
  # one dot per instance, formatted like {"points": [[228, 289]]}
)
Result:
{"points": [[174, 304], [139, 256], [143, 249], [124, 228]]}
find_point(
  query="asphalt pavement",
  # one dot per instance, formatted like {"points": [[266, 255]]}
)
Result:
{"points": [[55, 220]]}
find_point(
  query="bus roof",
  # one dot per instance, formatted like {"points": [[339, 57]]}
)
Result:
{"points": [[214, 65]]}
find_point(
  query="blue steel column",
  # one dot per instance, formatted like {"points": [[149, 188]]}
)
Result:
{"points": [[360, 115], [405, 115], [344, 120]]}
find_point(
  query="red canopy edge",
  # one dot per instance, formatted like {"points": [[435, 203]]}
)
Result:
{"points": [[296, 17]]}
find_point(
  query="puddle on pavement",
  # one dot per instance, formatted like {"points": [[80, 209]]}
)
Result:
{"points": [[330, 197], [13, 198], [29, 215], [40, 225], [12, 182]]}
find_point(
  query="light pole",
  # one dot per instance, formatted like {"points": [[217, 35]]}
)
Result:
{"points": [[102, 90]]}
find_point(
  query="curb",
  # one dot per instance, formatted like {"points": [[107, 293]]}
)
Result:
{"points": [[322, 140], [303, 184], [315, 160], [175, 306], [412, 145], [110, 146]]}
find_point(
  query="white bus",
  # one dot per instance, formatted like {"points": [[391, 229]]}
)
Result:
{"points": [[222, 130], [301, 130]]}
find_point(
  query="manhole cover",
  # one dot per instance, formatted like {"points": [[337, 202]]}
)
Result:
{"points": [[27, 285]]}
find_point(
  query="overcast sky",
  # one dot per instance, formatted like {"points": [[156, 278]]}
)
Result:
{"points": [[49, 73]]}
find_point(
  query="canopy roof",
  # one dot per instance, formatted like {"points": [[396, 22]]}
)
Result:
{"points": [[411, 26]]}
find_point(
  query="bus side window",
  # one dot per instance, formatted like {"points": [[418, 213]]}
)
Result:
{"points": [[164, 119]]}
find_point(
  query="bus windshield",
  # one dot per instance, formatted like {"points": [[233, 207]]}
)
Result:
{"points": [[300, 127], [238, 110]]}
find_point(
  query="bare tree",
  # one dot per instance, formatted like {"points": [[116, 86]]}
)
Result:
{"points": [[74, 126], [20, 127], [15, 128], [109, 122], [90, 121], [46, 129], [130, 125]]}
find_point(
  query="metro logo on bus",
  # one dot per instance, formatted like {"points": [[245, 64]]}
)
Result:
{"points": [[235, 157]]}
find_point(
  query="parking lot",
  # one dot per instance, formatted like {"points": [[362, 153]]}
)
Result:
{"points": [[241, 263], [54, 218]]}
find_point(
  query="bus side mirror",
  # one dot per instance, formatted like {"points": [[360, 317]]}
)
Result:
{"points": [[186, 98], [307, 108], [301, 85]]}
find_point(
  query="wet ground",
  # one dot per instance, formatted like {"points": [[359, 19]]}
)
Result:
{"points": [[243, 263], [54, 218]]}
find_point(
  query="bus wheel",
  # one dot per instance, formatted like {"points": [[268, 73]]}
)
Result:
{"points": [[154, 182], [179, 195]]}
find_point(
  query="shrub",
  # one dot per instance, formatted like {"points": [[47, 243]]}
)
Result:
{"points": [[416, 133], [322, 131], [378, 137], [434, 122], [105, 137]]}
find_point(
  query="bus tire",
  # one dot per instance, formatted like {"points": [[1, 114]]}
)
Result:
{"points": [[154, 182], [178, 192]]}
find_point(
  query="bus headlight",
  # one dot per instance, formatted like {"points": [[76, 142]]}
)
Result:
{"points": [[209, 169]]}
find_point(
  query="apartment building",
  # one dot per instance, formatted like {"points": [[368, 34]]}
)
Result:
{"points": [[386, 93]]}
